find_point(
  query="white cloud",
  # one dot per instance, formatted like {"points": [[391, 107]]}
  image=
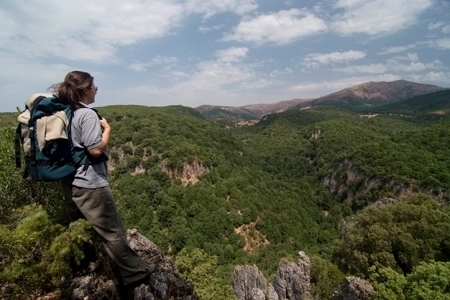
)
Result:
{"points": [[277, 73], [413, 63], [83, 30], [22, 76], [377, 16], [206, 85], [443, 43], [138, 66], [372, 68], [316, 59], [216, 73], [411, 67], [209, 8], [434, 26], [158, 60], [446, 29], [234, 54], [397, 49], [204, 29], [441, 77], [280, 28], [224, 80]]}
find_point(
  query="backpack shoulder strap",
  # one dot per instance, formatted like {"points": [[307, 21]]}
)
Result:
{"points": [[83, 154], [91, 108]]}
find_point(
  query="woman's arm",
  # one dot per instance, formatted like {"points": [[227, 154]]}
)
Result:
{"points": [[96, 152]]}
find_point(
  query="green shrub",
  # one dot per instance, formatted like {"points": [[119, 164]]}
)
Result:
{"points": [[201, 269], [398, 235], [325, 277], [428, 280], [37, 252], [16, 192]]}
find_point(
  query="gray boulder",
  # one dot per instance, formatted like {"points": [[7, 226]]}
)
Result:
{"points": [[354, 288]]}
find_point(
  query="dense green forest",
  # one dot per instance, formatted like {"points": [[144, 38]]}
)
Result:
{"points": [[361, 195]]}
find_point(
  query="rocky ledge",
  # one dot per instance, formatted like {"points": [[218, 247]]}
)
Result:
{"points": [[99, 279]]}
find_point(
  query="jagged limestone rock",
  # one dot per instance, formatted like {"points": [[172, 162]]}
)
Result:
{"points": [[305, 265], [245, 280], [257, 294], [354, 288], [272, 294], [102, 282], [292, 281]]}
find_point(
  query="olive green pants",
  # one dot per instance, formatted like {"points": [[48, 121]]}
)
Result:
{"points": [[98, 207]]}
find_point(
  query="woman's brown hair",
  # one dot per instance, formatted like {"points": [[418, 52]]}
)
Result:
{"points": [[71, 89]]}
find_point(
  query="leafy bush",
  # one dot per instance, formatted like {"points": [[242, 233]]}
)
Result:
{"points": [[16, 192], [38, 253], [202, 270], [325, 277], [428, 280], [398, 235]]}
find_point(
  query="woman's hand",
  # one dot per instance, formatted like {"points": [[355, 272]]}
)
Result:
{"points": [[104, 124]]}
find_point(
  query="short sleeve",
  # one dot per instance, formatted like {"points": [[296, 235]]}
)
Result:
{"points": [[91, 131]]}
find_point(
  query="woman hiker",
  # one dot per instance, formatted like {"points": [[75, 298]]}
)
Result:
{"points": [[87, 194]]}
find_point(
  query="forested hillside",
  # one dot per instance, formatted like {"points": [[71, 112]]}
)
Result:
{"points": [[363, 195], [433, 105]]}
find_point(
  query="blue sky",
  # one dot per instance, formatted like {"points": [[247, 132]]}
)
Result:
{"points": [[220, 52]]}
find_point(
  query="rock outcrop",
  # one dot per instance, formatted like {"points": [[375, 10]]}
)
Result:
{"points": [[99, 280], [249, 283], [292, 281], [354, 288]]}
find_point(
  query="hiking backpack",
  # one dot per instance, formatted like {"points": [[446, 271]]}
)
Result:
{"points": [[43, 134]]}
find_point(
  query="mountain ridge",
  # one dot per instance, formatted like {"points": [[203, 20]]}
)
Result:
{"points": [[358, 96], [376, 93]]}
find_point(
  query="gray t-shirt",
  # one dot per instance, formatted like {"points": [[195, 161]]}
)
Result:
{"points": [[87, 133]]}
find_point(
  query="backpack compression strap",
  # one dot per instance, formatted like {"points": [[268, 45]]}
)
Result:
{"points": [[31, 124], [18, 137]]}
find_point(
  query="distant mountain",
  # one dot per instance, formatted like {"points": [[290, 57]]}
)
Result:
{"points": [[373, 93], [355, 98], [226, 112], [247, 112], [261, 110]]}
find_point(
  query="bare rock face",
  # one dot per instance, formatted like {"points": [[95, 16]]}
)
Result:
{"points": [[258, 294], [354, 288], [249, 283], [272, 294], [292, 281], [93, 286], [100, 279]]}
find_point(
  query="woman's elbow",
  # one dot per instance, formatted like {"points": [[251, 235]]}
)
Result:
{"points": [[96, 152]]}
